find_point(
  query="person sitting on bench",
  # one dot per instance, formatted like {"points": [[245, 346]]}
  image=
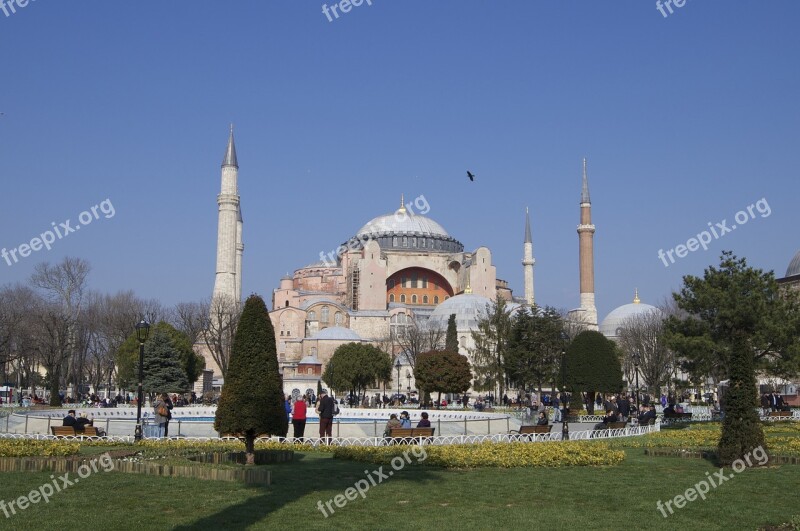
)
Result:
{"points": [[608, 419], [645, 417], [79, 424], [542, 421], [424, 422]]}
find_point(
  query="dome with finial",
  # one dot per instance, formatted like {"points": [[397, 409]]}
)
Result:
{"points": [[405, 229], [611, 325]]}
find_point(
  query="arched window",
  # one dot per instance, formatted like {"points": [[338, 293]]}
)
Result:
{"points": [[314, 351], [281, 332], [424, 299], [287, 303], [312, 316], [405, 241], [325, 314], [391, 297], [402, 298], [288, 333], [414, 280], [424, 282], [309, 371], [394, 241], [436, 299], [422, 242], [338, 318], [390, 283], [413, 241], [463, 341], [413, 299]]}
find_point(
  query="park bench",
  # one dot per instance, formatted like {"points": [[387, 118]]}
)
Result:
{"points": [[678, 416], [616, 425], [532, 430], [409, 435], [782, 414], [66, 431]]}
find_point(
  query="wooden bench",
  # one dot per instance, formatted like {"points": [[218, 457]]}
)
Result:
{"points": [[678, 416], [782, 414], [528, 430], [409, 435], [617, 425], [66, 431]]}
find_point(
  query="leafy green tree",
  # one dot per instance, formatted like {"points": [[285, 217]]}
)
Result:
{"points": [[451, 339], [737, 321], [592, 365], [355, 367], [443, 372], [534, 347], [252, 401], [163, 372], [491, 340], [127, 356]]}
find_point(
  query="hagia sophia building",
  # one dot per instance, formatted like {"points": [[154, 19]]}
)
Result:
{"points": [[398, 267]]}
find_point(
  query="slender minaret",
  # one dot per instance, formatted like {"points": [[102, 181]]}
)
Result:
{"points": [[528, 260], [227, 282], [586, 255], [239, 252]]}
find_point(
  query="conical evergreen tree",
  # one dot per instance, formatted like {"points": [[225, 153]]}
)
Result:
{"points": [[451, 340], [252, 401], [163, 368]]}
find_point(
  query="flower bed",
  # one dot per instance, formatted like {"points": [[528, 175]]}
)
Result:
{"points": [[30, 448], [499, 455]]}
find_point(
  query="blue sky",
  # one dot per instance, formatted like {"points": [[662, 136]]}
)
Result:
{"points": [[684, 120]]}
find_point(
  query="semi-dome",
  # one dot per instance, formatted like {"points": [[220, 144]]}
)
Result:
{"points": [[794, 266], [468, 307], [337, 333], [613, 322]]}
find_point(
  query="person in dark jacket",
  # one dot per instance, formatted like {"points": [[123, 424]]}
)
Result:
{"points": [[325, 409], [424, 422]]}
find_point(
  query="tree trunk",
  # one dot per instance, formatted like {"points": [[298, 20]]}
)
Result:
{"points": [[55, 377], [250, 447]]}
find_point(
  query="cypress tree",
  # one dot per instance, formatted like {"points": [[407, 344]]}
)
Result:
{"points": [[451, 340], [592, 365], [252, 401]]}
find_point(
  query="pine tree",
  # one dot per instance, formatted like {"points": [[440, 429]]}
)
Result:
{"points": [[592, 365], [163, 370], [252, 401]]}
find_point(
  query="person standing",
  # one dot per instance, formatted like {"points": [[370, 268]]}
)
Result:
{"points": [[325, 410], [161, 414], [299, 409]]}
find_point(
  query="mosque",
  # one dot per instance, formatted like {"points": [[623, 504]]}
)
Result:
{"points": [[398, 268]]}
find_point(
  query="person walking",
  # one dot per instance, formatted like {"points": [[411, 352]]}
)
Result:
{"points": [[299, 418], [161, 413], [325, 410]]}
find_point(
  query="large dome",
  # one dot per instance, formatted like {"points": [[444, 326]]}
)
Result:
{"points": [[614, 320], [794, 266], [468, 307], [402, 222]]}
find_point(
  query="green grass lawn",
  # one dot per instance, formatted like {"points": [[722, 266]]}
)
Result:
{"points": [[618, 497]]}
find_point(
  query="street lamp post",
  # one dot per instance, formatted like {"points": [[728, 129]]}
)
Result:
{"points": [[142, 331], [564, 423], [636, 359], [397, 366], [408, 377]]}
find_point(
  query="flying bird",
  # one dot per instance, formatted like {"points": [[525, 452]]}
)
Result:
{"points": [[470, 175]]}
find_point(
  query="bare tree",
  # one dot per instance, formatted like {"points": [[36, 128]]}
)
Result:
{"points": [[63, 286], [418, 336], [221, 326], [191, 318], [643, 334]]}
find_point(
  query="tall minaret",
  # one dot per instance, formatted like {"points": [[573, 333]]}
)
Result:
{"points": [[586, 256], [528, 261], [239, 252], [228, 280]]}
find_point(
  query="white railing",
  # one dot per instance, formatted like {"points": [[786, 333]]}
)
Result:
{"points": [[439, 440]]}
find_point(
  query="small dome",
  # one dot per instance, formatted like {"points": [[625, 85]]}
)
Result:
{"points": [[794, 266], [309, 360], [468, 307], [337, 333], [614, 320]]}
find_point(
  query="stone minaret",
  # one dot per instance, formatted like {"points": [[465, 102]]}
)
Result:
{"points": [[229, 247], [239, 252], [528, 261], [586, 256]]}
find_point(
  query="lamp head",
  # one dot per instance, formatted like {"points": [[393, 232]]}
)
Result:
{"points": [[142, 330]]}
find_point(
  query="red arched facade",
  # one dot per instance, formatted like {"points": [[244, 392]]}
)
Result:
{"points": [[417, 286]]}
